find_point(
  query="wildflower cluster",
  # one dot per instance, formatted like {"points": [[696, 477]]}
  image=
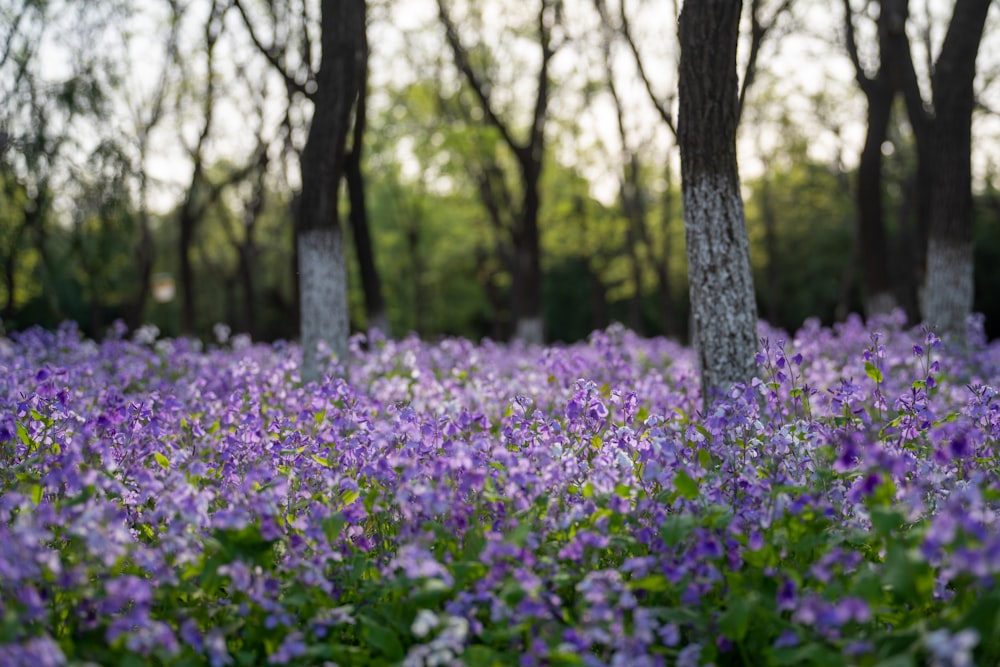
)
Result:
{"points": [[454, 503]]}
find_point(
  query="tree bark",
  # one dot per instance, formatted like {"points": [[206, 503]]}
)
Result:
{"points": [[322, 274], [949, 288], [723, 309]]}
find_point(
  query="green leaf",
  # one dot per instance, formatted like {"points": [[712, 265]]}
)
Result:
{"points": [[873, 372], [705, 459], [984, 615], [520, 533], [654, 583], [162, 460], [901, 660], [735, 621], [886, 521], [22, 435], [807, 654], [675, 528], [332, 525], [382, 639], [348, 497], [482, 655], [36, 493], [685, 485], [900, 573]]}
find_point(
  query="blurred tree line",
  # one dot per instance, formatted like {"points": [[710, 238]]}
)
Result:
{"points": [[510, 168]]}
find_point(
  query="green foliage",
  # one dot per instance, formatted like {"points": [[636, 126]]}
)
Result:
{"points": [[814, 219]]}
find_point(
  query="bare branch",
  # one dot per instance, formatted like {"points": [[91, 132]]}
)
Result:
{"points": [[10, 38], [479, 87], [662, 106], [851, 43], [275, 53], [758, 31]]}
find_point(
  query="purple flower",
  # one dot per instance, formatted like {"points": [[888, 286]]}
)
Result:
{"points": [[787, 595], [670, 634], [690, 656], [293, 646], [786, 639]]}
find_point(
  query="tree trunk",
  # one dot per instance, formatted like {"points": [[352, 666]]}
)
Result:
{"points": [[874, 249], [371, 285], [185, 240], [723, 309], [247, 268], [136, 310], [322, 273], [949, 287], [529, 323], [598, 300]]}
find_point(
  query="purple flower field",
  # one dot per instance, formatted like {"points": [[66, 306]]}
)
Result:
{"points": [[454, 503]]}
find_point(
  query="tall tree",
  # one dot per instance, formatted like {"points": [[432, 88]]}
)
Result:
{"points": [[723, 309], [194, 204], [948, 289], [336, 89], [322, 270], [942, 128], [529, 154], [291, 50], [880, 91], [766, 19], [146, 116]]}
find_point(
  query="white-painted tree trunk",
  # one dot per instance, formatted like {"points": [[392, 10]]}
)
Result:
{"points": [[723, 305], [530, 330], [323, 293], [948, 289]]}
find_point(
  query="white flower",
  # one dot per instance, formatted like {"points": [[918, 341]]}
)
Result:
{"points": [[949, 650], [625, 461], [425, 621], [221, 332]]}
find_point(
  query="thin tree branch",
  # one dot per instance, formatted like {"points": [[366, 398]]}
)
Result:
{"points": [[662, 106], [758, 31], [479, 88], [850, 40], [274, 54]]}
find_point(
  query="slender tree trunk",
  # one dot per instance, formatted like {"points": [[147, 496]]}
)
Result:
{"points": [[949, 287], [322, 269], [417, 277], [873, 245], [529, 323], [136, 310], [907, 258], [371, 285], [186, 271], [247, 269], [598, 299], [723, 309]]}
